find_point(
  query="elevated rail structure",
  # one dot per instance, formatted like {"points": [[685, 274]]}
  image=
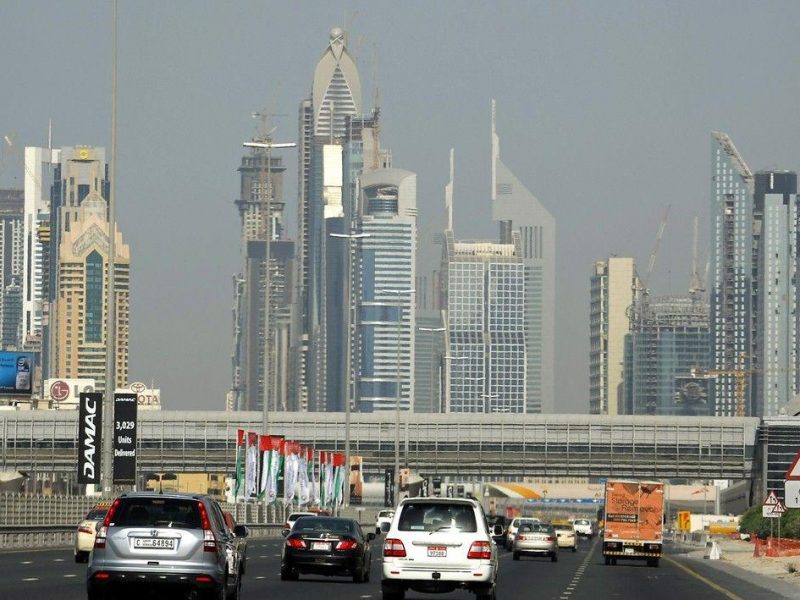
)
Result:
{"points": [[469, 446]]}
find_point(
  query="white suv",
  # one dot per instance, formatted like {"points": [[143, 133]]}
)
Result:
{"points": [[439, 545]]}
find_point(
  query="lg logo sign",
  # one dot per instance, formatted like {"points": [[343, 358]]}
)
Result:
{"points": [[59, 391]]}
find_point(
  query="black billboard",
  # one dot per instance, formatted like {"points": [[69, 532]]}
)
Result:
{"points": [[90, 441], [125, 437]]}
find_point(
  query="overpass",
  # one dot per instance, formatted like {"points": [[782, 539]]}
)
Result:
{"points": [[468, 446]]}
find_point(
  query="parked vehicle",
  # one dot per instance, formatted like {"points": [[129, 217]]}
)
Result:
{"points": [[437, 545], [537, 539], [327, 546], [165, 541], [87, 529], [633, 521]]}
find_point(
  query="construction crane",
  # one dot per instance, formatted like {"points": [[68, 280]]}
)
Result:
{"points": [[652, 262], [741, 376]]}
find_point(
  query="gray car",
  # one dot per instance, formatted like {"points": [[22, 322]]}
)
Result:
{"points": [[175, 542], [535, 538]]}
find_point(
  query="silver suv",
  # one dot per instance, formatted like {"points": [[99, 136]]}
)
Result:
{"points": [[170, 540], [437, 545]]}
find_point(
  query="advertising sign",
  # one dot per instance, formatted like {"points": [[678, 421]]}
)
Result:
{"points": [[147, 398], [16, 373], [356, 480], [64, 393], [90, 421], [125, 438]]}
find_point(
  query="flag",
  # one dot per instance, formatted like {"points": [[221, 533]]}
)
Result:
{"points": [[303, 490], [338, 479], [275, 461], [251, 466], [239, 463], [290, 471], [263, 450]]}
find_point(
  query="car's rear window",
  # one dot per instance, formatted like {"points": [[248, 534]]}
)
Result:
{"points": [[536, 528], [386, 513], [97, 514], [295, 516], [158, 512], [324, 525], [427, 516], [582, 522]]}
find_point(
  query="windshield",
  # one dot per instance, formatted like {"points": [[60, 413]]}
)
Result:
{"points": [[324, 525], [426, 516], [97, 514]]}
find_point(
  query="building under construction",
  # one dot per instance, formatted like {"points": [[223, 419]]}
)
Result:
{"points": [[666, 353]]}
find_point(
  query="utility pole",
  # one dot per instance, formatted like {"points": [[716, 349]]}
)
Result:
{"points": [[264, 142]]}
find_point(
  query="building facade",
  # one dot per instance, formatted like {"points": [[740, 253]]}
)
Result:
{"points": [[519, 212], [79, 321], [383, 355], [12, 269], [486, 361], [776, 231], [613, 289]]}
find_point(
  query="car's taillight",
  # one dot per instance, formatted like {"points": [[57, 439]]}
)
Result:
{"points": [[480, 549], [394, 548], [110, 514], [295, 542], [549, 538], [101, 575], [346, 545], [209, 541], [520, 538], [85, 530], [100, 538]]}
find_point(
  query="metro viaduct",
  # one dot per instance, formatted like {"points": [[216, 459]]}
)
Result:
{"points": [[468, 446]]}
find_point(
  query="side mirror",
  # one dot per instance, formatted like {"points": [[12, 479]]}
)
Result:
{"points": [[370, 536], [241, 531], [497, 530], [385, 527]]}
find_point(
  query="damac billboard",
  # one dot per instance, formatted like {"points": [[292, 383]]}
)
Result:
{"points": [[90, 426]]}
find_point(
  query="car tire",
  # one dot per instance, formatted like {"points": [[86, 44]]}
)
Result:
{"points": [[96, 595], [81, 557], [515, 556], [358, 575], [287, 574], [574, 548], [652, 562], [554, 557], [613, 562], [487, 594], [234, 595], [608, 560]]}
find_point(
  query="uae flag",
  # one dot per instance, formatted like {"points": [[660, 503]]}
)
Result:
{"points": [[238, 490]]}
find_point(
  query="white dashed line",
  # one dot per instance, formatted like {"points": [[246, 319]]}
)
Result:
{"points": [[58, 560], [260, 577], [31, 579], [26, 562], [70, 575]]}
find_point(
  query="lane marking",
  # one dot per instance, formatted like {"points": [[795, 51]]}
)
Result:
{"points": [[31, 579], [58, 560], [260, 577], [26, 562], [71, 575], [706, 580]]}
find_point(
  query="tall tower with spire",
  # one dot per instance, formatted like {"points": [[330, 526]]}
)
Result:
{"points": [[323, 126], [519, 211]]}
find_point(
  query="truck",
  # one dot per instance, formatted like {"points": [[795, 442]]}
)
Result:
{"points": [[633, 521]]}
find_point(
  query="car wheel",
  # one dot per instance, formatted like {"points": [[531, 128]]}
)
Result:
{"points": [[554, 557], [393, 594], [287, 574], [574, 548], [96, 595], [614, 562], [81, 557], [608, 560], [515, 556], [487, 594], [234, 595], [358, 575]]}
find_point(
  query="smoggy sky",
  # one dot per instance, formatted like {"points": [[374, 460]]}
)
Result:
{"points": [[604, 111]]}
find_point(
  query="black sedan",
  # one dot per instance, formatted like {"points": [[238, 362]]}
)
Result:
{"points": [[326, 546]]}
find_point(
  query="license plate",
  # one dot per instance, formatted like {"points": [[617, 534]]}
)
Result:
{"points": [[437, 551], [161, 543], [324, 546], [628, 550]]}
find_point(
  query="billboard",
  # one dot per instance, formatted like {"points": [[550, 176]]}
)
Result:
{"points": [[16, 373], [64, 393], [90, 423], [125, 437], [147, 398]]}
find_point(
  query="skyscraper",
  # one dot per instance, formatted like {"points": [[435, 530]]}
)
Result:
{"points": [[613, 291], [518, 211], [731, 272], [486, 361], [261, 177], [78, 323], [385, 273], [335, 97], [12, 268], [776, 231]]}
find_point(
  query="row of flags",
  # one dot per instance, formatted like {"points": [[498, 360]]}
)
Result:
{"points": [[272, 469]]}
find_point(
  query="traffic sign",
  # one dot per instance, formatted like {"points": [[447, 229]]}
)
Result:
{"points": [[791, 492], [769, 503], [794, 468], [778, 510]]}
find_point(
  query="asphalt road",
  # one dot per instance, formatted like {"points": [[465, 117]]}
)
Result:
{"points": [[52, 574]]}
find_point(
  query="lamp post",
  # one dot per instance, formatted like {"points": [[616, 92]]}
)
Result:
{"points": [[348, 395], [399, 306]]}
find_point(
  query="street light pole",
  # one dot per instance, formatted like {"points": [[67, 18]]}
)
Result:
{"points": [[397, 394], [348, 395]]}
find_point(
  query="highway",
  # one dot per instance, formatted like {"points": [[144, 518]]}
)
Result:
{"points": [[52, 574]]}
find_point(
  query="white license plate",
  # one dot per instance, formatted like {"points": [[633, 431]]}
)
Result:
{"points": [[161, 543], [628, 550], [437, 551], [324, 546]]}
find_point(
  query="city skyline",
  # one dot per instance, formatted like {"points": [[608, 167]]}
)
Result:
{"points": [[604, 152]]}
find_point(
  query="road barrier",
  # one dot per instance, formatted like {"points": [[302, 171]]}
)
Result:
{"points": [[773, 547]]}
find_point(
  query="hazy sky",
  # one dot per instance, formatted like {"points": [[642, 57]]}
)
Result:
{"points": [[604, 111]]}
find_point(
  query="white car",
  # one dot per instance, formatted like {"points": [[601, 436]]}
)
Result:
{"points": [[86, 532], [384, 517], [437, 545], [292, 519], [583, 527], [567, 537]]}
